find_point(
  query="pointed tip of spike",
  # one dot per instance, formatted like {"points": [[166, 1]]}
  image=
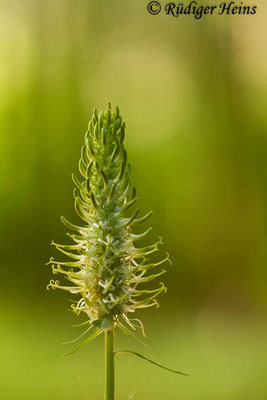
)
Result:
{"points": [[117, 111], [95, 113]]}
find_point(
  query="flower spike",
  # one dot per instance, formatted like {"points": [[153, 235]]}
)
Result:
{"points": [[105, 267]]}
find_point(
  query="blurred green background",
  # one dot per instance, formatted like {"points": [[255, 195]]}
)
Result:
{"points": [[193, 94]]}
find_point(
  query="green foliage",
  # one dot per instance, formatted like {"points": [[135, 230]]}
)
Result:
{"points": [[105, 268]]}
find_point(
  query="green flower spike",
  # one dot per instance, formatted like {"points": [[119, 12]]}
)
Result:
{"points": [[105, 267]]}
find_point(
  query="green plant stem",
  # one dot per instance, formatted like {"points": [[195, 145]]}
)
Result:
{"points": [[109, 360]]}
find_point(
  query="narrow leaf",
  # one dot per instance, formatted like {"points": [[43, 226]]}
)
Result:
{"points": [[147, 359]]}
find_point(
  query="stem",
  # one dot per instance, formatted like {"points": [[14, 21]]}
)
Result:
{"points": [[109, 367]]}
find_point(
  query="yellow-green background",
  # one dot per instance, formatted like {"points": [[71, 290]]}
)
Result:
{"points": [[193, 94]]}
